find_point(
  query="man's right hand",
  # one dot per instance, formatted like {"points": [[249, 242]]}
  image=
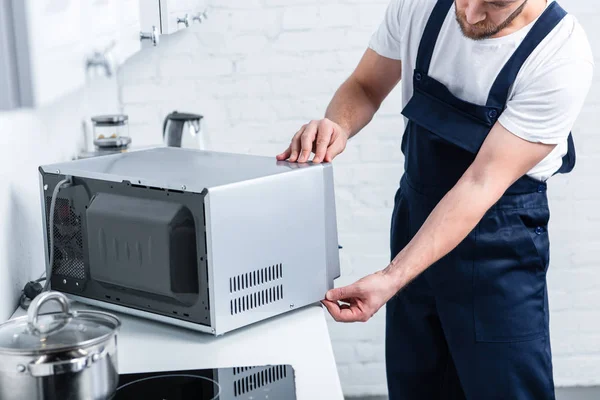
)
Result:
{"points": [[324, 138]]}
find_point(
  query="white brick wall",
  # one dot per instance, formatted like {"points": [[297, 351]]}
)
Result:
{"points": [[258, 69]]}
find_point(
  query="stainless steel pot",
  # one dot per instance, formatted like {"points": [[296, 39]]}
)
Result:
{"points": [[69, 355]]}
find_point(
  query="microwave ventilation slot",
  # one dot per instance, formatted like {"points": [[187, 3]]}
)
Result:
{"points": [[239, 370], [256, 299], [259, 379], [68, 240], [255, 278]]}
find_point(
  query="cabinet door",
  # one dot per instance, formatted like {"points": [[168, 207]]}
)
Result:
{"points": [[149, 19], [128, 30], [48, 49], [100, 23]]}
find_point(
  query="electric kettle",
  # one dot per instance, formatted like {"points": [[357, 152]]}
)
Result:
{"points": [[183, 130]]}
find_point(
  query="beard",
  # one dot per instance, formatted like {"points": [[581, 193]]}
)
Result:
{"points": [[484, 29]]}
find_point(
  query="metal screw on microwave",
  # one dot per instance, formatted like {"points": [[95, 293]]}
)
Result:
{"points": [[153, 36], [185, 20]]}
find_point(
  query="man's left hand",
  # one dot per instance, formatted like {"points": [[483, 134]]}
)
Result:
{"points": [[363, 298]]}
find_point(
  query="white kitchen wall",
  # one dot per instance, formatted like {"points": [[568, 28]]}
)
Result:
{"points": [[28, 139], [257, 70]]}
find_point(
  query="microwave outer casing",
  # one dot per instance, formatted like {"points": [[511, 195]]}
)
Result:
{"points": [[271, 231]]}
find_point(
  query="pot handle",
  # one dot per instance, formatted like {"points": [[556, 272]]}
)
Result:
{"points": [[41, 367], [39, 300]]}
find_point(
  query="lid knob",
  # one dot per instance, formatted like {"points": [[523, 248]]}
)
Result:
{"points": [[38, 301]]}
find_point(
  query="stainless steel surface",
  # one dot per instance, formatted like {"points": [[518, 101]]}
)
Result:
{"points": [[40, 367], [96, 382], [110, 119], [119, 142], [34, 308], [39, 334], [63, 355], [151, 36], [281, 220], [196, 169], [141, 314], [262, 216], [330, 226], [183, 130]]}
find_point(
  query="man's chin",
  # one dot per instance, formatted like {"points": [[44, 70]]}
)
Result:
{"points": [[475, 34]]}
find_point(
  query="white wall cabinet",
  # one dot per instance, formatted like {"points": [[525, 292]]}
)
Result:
{"points": [[128, 29], [112, 29], [164, 17], [49, 48]]}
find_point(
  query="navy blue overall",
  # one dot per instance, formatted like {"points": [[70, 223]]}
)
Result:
{"points": [[475, 324]]}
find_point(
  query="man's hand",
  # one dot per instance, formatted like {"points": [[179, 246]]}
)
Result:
{"points": [[325, 138], [364, 298]]}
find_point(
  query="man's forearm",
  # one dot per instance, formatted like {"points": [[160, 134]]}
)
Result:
{"points": [[449, 223], [351, 107]]}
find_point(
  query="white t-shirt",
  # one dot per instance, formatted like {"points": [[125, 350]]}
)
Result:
{"points": [[549, 90]]}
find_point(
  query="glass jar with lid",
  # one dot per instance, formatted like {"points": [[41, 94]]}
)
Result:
{"points": [[111, 130]]}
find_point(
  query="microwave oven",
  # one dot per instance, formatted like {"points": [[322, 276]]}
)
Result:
{"points": [[207, 240]]}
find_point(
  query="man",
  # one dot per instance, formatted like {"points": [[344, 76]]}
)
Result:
{"points": [[491, 91]]}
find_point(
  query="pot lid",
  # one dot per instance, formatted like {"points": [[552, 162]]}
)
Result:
{"points": [[41, 333], [110, 119], [177, 116]]}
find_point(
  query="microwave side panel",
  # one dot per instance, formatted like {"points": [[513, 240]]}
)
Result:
{"points": [[267, 246]]}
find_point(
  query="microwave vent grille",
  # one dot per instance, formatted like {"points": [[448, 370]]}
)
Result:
{"points": [[253, 300], [68, 240], [255, 278]]}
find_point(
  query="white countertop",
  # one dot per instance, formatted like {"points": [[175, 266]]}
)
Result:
{"points": [[299, 338]]}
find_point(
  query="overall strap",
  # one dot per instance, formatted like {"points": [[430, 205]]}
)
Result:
{"points": [[551, 17], [430, 34]]}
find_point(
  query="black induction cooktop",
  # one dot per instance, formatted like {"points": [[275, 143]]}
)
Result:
{"points": [[269, 382]]}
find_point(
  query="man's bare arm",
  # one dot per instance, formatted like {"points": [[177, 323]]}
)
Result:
{"points": [[352, 107], [360, 96]]}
